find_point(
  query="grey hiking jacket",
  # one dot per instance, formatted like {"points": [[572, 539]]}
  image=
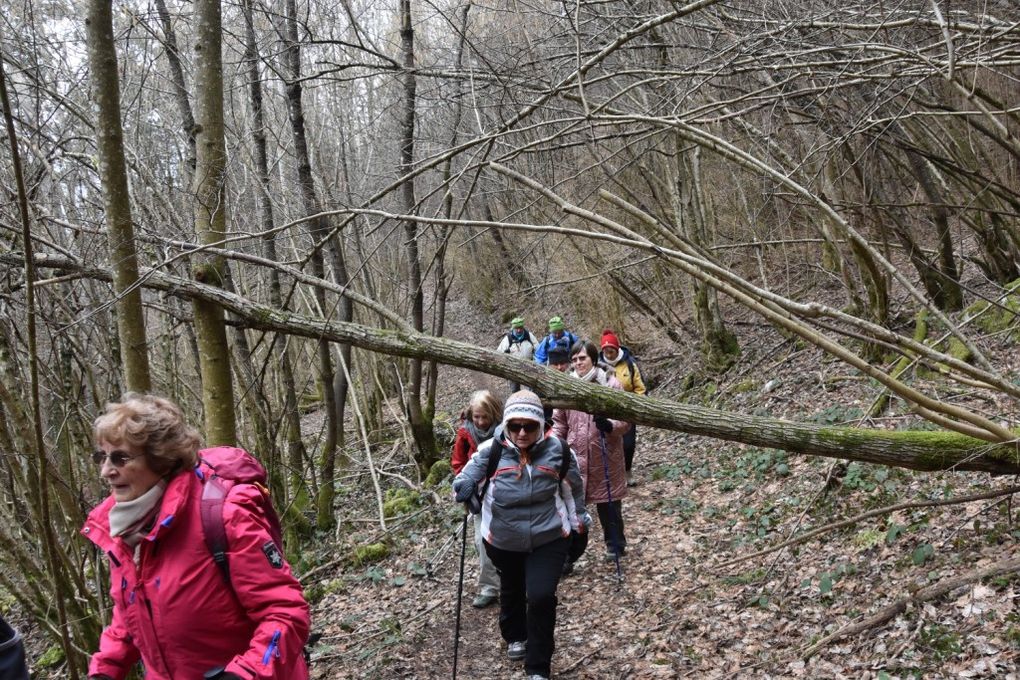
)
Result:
{"points": [[524, 509]]}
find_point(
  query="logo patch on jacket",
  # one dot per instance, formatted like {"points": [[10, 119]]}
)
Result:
{"points": [[273, 555]]}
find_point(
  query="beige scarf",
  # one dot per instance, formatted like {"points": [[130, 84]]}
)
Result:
{"points": [[132, 519]]}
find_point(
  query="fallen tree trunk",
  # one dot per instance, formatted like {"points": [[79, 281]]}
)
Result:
{"points": [[916, 450]]}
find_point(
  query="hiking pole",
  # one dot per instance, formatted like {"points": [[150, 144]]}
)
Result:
{"points": [[460, 589], [612, 510]]}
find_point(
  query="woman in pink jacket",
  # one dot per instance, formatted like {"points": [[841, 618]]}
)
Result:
{"points": [[586, 433], [173, 608]]}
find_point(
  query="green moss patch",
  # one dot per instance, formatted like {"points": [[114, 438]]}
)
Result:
{"points": [[400, 502], [439, 471], [373, 552]]}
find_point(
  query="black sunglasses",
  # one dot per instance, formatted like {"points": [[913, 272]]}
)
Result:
{"points": [[118, 459], [528, 427]]}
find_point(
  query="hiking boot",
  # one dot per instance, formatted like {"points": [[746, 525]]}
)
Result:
{"points": [[516, 651], [630, 479], [568, 567], [611, 554], [482, 601]]}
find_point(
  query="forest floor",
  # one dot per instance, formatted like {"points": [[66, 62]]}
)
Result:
{"points": [[695, 600]]}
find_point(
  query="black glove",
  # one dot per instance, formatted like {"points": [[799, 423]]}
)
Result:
{"points": [[603, 424], [578, 543], [220, 674], [464, 492]]}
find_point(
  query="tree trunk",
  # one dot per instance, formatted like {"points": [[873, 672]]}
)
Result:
{"points": [[1000, 263], [443, 281], [173, 57], [38, 466], [719, 347], [332, 384], [918, 450], [421, 426], [289, 487], [116, 198], [946, 292], [210, 224]]}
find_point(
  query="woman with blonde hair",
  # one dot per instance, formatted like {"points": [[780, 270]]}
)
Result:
{"points": [[174, 608], [478, 422]]}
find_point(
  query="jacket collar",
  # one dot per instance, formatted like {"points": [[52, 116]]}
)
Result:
{"points": [[178, 491]]}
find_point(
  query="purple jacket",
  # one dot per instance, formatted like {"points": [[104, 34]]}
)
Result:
{"points": [[578, 428]]}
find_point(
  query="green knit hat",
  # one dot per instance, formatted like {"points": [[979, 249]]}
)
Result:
{"points": [[517, 322], [556, 324]]}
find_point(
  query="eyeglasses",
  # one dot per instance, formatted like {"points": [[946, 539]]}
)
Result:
{"points": [[530, 427], [118, 459]]}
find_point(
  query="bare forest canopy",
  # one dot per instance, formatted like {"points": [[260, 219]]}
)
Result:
{"points": [[248, 206]]}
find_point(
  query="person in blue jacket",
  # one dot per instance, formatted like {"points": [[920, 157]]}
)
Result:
{"points": [[558, 336]]}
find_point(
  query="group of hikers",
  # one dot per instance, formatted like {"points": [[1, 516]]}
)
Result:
{"points": [[527, 474], [198, 581]]}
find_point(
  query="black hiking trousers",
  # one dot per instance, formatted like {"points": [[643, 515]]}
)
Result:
{"points": [[611, 519], [527, 598], [629, 444]]}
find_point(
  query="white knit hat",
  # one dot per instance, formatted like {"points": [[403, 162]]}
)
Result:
{"points": [[524, 404]]}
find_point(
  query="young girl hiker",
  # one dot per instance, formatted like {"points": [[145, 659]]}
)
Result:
{"points": [[479, 421]]}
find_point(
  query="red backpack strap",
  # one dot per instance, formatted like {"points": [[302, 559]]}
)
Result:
{"points": [[211, 510]]}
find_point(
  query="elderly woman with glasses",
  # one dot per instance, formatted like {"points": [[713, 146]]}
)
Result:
{"points": [[531, 503], [598, 443], [174, 609]]}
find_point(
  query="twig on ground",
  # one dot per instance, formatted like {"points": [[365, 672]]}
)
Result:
{"points": [[868, 515], [369, 636], [922, 595], [578, 662]]}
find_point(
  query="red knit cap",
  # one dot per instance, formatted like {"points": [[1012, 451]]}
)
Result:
{"points": [[609, 339]]}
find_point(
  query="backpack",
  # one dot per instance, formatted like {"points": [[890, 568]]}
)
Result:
{"points": [[495, 454], [511, 340], [221, 469], [567, 342]]}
